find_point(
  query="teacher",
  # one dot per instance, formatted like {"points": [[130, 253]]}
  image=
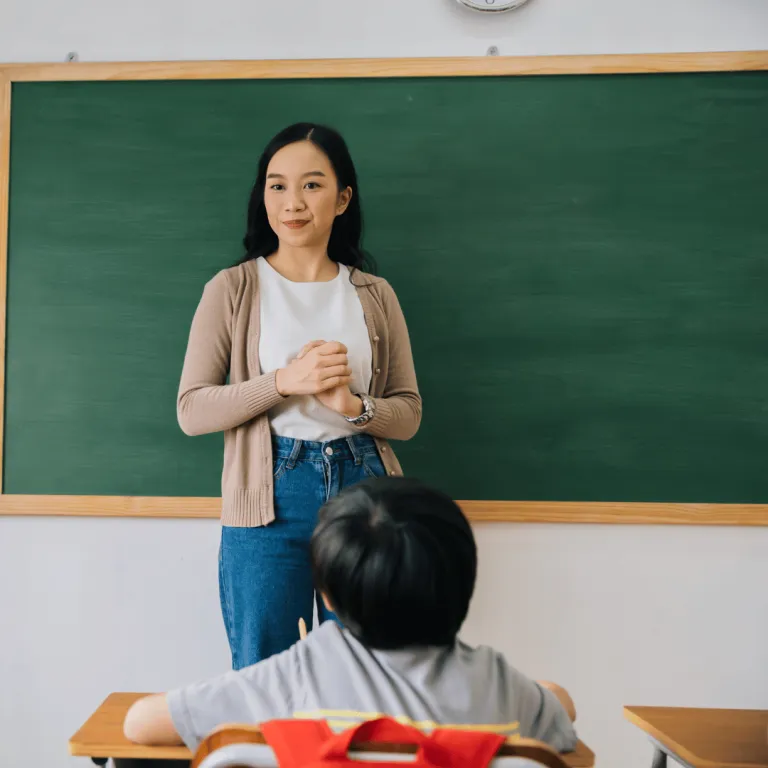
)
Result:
{"points": [[303, 360]]}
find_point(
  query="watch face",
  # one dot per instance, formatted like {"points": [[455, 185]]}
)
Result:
{"points": [[492, 5]]}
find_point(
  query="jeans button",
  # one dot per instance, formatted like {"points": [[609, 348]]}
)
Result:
{"points": [[329, 451]]}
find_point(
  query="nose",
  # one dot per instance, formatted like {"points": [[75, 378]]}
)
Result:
{"points": [[294, 201]]}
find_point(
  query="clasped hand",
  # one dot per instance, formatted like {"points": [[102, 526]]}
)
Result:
{"points": [[321, 369]]}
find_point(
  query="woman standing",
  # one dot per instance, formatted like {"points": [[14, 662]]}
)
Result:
{"points": [[320, 377]]}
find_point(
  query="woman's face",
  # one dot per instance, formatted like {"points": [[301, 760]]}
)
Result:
{"points": [[302, 195]]}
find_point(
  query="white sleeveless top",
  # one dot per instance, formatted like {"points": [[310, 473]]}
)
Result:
{"points": [[293, 314]]}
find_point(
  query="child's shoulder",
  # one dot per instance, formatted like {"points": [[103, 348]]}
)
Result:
{"points": [[480, 653], [327, 636], [485, 660]]}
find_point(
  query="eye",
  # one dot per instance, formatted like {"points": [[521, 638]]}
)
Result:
{"points": [[312, 185], [277, 187]]}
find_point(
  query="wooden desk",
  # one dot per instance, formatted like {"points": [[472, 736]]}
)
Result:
{"points": [[705, 738], [102, 738]]}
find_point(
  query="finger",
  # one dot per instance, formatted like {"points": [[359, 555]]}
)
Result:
{"points": [[302, 630], [331, 361], [307, 347], [335, 371], [336, 381], [332, 348]]}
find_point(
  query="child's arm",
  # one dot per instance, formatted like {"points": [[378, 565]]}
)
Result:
{"points": [[562, 696], [149, 722], [186, 715]]}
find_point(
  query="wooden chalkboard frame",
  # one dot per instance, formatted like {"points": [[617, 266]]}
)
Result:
{"points": [[477, 511]]}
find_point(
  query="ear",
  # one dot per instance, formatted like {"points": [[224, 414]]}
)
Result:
{"points": [[327, 603], [345, 196]]}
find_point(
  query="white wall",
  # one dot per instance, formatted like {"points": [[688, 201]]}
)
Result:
{"points": [[619, 615], [45, 30]]}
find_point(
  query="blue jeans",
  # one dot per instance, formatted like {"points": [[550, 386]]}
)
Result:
{"points": [[265, 579]]}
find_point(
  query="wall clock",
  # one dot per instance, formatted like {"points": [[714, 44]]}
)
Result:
{"points": [[492, 6]]}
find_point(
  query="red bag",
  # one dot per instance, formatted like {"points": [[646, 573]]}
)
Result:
{"points": [[312, 744]]}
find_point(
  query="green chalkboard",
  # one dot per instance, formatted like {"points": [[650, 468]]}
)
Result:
{"points": [[583, 263]]}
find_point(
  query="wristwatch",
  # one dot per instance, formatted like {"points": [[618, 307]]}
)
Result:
{"points": [[369, 409]]}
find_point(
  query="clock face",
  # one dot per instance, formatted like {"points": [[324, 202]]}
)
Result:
{"points": [[493, 5]]}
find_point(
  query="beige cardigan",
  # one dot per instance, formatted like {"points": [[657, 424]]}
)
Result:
{"points": [[224, 340]]}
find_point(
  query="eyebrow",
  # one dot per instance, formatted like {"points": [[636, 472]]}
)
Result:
{"points": [[280, 175]]}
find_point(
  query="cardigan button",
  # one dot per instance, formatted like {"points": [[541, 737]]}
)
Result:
{"points": [[378, 370], [375, 338]]}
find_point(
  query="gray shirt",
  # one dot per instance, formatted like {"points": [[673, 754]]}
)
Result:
{"points": [[332, 676]]}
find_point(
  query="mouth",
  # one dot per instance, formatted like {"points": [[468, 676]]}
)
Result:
{"points": [[296, 223]]}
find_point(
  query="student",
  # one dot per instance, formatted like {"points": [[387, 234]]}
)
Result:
{"points": [[396, 561], [304, 361]]}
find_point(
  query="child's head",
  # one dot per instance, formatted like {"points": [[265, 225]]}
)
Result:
{"points": [[397, 561]]}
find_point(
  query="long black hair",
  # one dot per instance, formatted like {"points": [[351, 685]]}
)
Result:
{"points": [[344, 246]]}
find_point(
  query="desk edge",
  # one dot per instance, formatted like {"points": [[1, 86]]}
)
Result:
{"points": [[674, 748]]}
